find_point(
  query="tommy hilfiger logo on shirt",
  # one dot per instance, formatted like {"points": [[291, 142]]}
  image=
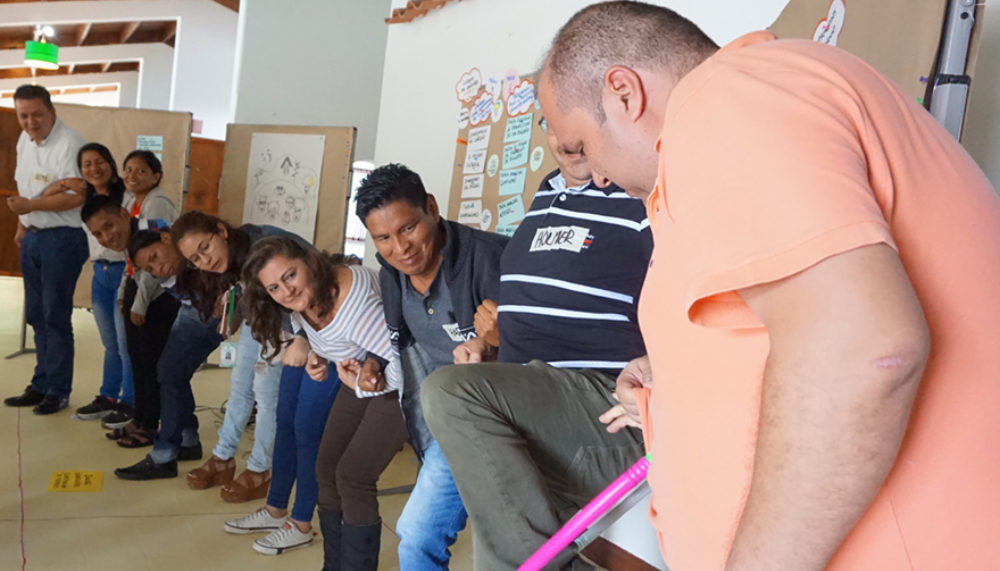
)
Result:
{"points": [[570, 238]]}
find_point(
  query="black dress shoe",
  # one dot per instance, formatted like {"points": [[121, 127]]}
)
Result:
{"points": [[146, 469], [189, 452], [51, 404], [30, 397]]}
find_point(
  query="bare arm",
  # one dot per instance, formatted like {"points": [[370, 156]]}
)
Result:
{"points": [[848, 346], [52, 203], [77, 185]]}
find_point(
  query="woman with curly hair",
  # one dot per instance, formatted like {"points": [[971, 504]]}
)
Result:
{"points": [[337, 304]]}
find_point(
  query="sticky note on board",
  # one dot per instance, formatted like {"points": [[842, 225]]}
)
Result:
{"points": [[515, 155], [475, 160], [479, 137], [512, 181], [470, 212], [149, 142], [506, 230], [518, 129], [472, 186], [75, 481], [510, 211]]}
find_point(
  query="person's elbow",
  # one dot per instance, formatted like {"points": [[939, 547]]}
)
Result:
{"points": [[899, 364]]}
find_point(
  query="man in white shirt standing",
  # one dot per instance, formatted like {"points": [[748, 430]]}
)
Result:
{"points": [[53, 244]]}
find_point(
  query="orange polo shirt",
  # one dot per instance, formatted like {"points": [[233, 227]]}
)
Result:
{"points": [[775, 155]]}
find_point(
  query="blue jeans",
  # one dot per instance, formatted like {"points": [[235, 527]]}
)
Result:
{"points": [[117, 382], [51, 261], [190, 342], [432, 517], [303, 405], [252, 379]]}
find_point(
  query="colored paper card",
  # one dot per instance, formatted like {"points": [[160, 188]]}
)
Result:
{"points": [[518, 129], [515, 155], [475, 160], [510, 211], [512, 181], [149, 142], [470, 212], [472, 186], [506, 230], [75, 481], [479, 137]]}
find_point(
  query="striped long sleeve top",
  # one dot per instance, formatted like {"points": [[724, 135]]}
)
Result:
{"points": [[357, 329]]}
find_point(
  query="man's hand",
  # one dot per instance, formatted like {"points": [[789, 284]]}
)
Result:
{"points": [[316, 367], [296, 352], [19, 234], [486, 322], [475, 350], [137, 319], [636, 375], [368, 376], [20, 205]]}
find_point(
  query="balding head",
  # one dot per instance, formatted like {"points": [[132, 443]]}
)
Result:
{"points": [[631, 34]]}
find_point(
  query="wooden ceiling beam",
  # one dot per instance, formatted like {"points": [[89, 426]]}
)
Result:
{"points": [[127, 32], [105, 66], [72, 66], [81, 33], [170, 32]]}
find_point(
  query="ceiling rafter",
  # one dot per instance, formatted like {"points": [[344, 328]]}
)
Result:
{"points": [[81, 34], [127, 31]]}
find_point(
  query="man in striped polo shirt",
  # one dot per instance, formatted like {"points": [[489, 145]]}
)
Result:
{"points": [[522, 440]]}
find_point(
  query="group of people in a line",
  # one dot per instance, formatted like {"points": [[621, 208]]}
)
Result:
{"points": [[808, 353]]}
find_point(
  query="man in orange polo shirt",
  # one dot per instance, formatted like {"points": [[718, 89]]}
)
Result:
{"points": [[819, 312]]}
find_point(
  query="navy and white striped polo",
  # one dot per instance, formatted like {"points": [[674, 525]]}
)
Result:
{"points": [[571, 276]]}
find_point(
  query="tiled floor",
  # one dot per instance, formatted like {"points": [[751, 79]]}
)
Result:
{"points": [[136, 526]]}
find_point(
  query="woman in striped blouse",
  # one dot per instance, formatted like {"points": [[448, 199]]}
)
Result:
{"points": [[339, 308]]}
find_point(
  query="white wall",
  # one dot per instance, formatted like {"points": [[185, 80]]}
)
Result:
{"points": [[319, 64], [982, 127], [199, 75]]}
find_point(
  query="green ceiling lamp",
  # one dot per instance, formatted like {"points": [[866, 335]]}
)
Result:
{"points": [[40, 53]]}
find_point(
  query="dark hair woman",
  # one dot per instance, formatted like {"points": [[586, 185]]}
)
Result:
{"points": [[337, 304], [116, 396], [143, 172], [215, 252]]}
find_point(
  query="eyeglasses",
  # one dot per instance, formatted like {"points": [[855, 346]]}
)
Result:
{"points": [[203, 249]]}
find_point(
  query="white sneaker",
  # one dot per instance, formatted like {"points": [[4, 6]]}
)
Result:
{"points": [[278, 542], [258, 521]]}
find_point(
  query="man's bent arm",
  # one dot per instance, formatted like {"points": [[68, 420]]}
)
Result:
{"points": [[848, 344]]}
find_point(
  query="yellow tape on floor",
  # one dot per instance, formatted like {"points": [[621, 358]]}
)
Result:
{"points": [[75, 481]]}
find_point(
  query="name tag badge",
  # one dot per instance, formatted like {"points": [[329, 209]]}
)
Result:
{"points": [[453, 332], [42, 177], [568, 238], [227, 354]]}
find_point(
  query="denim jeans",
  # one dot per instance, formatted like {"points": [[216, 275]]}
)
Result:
{"points": [[432, 517], [252, 379], [303, 405], [117, 382], [51, 261], [190, 342]]}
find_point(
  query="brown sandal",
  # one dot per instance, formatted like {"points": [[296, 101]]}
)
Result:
{"points": [[119, 433], [214, 472], [137, 439], [247, 486]]}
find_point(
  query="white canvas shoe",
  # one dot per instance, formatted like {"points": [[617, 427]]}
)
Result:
{"points": [[259, 521], [278, 542]]}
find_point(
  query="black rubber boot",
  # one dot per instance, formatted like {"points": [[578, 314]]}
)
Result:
{"points": [[360, 546], [330, 522]]}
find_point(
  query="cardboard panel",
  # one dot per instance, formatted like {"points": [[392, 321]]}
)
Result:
{"points": [[539, 160], [334, 185], [899, 38], [120, 129]]}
